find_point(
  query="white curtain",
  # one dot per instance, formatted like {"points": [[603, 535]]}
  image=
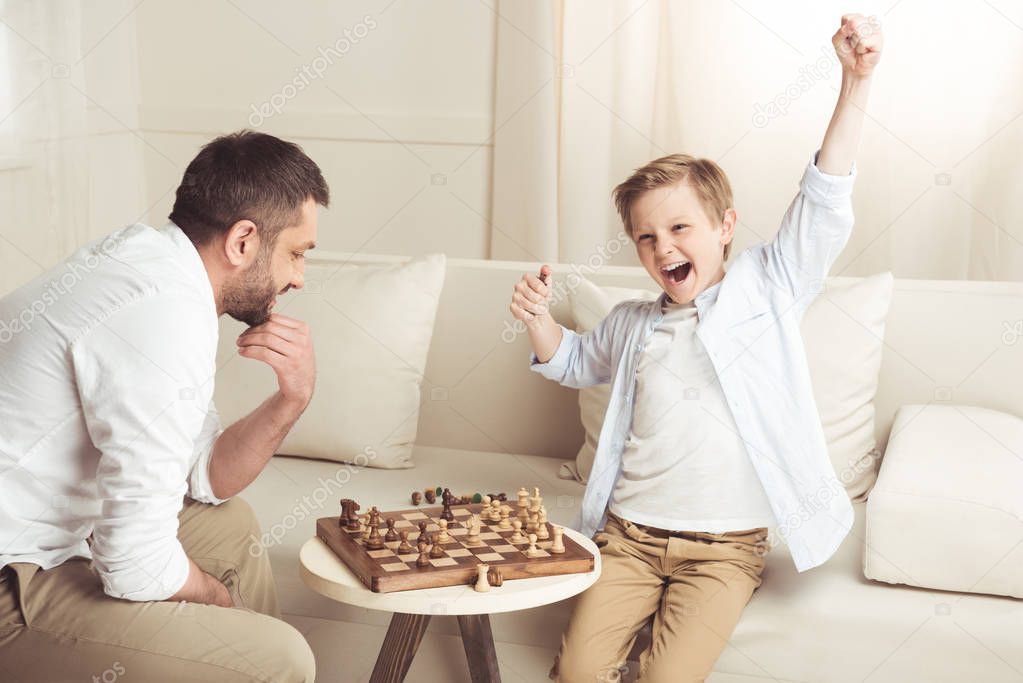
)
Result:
{"points": [[70, 149], [587, 90]]}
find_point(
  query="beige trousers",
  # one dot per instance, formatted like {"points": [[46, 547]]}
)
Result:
{"points": [[59, 625], [694, 584]]}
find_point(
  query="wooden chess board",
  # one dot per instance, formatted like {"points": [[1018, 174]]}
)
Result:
{"points": [[385, 571]]}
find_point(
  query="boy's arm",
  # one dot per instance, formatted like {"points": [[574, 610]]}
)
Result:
{"points": [[858, 46], [560, 354], [819, 221]]}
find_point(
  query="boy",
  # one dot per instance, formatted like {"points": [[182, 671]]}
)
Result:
{"points": [[711, 433]]}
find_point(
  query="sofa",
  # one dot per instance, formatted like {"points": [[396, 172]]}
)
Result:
{"points": [[488, 424]]}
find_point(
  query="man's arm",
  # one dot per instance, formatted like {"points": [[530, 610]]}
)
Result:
{"points": [[243, 449], [858, 46]]}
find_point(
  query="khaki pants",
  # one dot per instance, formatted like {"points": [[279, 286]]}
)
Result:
{"points": [[59, 625], [694, 584]]}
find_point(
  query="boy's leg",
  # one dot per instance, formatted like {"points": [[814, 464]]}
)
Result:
{"points": [[713, 579], [611, 612], [223, 541]]}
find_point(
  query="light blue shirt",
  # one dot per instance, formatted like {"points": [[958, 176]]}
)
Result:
{"points": [[749, 324]]}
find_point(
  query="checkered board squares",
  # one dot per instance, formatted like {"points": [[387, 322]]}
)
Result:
{"points": [[385, 570]]}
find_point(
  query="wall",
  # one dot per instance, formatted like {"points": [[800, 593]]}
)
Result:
{"points": [[392, 98]]}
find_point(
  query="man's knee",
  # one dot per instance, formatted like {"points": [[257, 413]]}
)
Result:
{"points": [[291, 657]]}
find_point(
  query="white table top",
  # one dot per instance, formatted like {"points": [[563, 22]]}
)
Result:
{"points": [[327, 575]]}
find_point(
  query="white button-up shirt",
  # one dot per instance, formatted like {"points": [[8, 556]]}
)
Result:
{"points": [[106, 383], [749, 325]]}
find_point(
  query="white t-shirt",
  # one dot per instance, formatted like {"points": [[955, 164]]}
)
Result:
{"points": [[684, 467]]}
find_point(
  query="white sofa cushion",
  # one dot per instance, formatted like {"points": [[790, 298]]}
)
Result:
{"points": [[946, 511], [843, 331], [372, 335]]}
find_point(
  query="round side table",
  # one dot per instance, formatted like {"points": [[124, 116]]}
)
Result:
{"points": [[323, 572]]}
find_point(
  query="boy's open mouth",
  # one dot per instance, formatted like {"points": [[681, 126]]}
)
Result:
{"points": [[676, 273]]}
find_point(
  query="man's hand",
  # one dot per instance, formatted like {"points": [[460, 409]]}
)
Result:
{"points": [[858, 44], [285, 345]]}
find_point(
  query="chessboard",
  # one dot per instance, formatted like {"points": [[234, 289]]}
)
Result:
{"points": [[386, 571]]}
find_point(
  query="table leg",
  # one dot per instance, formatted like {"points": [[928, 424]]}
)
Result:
{"points": [[400, 645], [479, 648]]}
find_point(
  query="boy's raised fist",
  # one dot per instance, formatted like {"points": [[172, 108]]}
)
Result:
{"points": [[858, 44]]}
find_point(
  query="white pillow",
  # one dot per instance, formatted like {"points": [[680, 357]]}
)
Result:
{"points": [[843, 331], [946, 512], [371, 329]]}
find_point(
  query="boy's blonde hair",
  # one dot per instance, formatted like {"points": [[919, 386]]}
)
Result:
{"points": [[707, 179]]}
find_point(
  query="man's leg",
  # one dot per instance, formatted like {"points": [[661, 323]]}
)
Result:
{"points": [[58, 625], [610, 613], [713, 579], [219, 538]]}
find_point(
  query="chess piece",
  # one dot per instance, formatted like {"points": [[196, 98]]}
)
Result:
{"points": [[523, 506], [443, 536], [505, 522], [517, 536], [558, 545], [532, 523], [473, 539], [485, 500], [423, 560], [349, 519], [541, 524], [495, 511], [404, 548], [374, 541], [448, 500], [431, 496], [417, 497], [436, 552], [364, 526], [391, 534], [495, 578], [481, 579], [422, 529], [537, 499], [532, 551]]}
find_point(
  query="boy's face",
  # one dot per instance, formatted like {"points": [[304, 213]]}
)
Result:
{"points": [[670, 226]]}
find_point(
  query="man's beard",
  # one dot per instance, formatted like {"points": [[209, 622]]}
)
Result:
{"points": [[249, 297]]}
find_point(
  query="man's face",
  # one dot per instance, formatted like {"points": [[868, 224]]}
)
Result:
{"points": [[671, 227], [251, 296]]}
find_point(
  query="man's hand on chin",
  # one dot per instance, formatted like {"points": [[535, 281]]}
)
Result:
{"points": [[286, 345]]}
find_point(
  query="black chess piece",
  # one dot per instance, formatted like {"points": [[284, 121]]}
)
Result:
{"points": [[423, 560], [391, 534], [446, 513]]}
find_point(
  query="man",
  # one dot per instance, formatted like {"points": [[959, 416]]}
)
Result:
{"points": [[111, 450]]}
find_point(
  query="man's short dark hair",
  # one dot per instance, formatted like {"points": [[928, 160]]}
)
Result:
{"points": [[246, 175]]}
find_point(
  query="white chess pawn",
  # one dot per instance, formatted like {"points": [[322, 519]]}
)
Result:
{"points": [[482, 585], [532, 550], [558, 545], [442, 535], [517, 536], [505, 523], [495, 511]]}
